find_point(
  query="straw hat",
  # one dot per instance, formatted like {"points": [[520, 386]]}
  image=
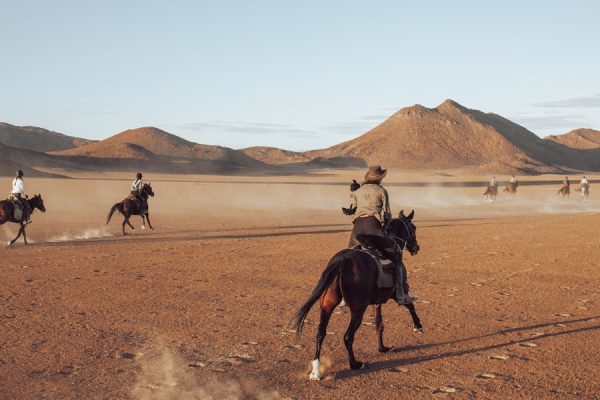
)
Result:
{"points": [[375, 173]]}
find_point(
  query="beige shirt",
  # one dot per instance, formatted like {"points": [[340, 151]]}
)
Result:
{"points": [[371, 200]]}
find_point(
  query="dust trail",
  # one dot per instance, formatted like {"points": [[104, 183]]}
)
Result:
{"points": [[165, 375], [85, 235]]}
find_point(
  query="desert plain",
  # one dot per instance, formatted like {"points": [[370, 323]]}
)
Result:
{"points": [[199, 307]]}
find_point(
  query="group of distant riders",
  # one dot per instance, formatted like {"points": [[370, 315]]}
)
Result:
{"points": [[19, 198], [511, 189], [370, 209]]}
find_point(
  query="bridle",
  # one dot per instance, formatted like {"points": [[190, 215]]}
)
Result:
{"points": [[397, 239], [145, 191]]}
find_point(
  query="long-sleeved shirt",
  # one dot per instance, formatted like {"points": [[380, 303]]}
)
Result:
{"points": [[493, 182], [371, 200], [583, 182], [137, 185], [18, 187]]}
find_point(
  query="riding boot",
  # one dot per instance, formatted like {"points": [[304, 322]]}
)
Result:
{"points": [[26, 212], [401, 294]]}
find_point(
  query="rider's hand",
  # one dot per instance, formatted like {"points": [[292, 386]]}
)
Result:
{"points": [[349, 211]]}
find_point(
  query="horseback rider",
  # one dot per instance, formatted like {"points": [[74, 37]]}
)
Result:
{"points": [[136, 191], [514, 182], [371, 209], [584, 184], [493, 182], [18, 193], [566, 182]]}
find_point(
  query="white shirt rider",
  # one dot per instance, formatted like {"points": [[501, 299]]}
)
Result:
{"points": [[584, 181], [137, 185], [493, 182], [18, 187]]}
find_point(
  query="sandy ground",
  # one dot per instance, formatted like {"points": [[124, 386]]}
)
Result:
{"points": [[199, 308]]}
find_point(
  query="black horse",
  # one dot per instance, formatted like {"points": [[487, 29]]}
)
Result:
{"points": [[7, 214], [352, 275], [129, 207]]}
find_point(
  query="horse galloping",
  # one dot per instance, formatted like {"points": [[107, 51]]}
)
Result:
{"points": [[510, 191], [129, 207], [7, 214], [584, 192], [491, 193], [352, 275], [564, 191]]}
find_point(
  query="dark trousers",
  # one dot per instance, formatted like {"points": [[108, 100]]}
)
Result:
{"points": [[141, 201], [368, 231], [24, 205]]}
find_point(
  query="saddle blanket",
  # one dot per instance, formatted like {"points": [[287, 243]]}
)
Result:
{"points": [[18, 213], [385, 270]]}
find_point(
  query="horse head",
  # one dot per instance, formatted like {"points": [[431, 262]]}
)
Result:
{"points": [[37, 202], [147, 188], [405, 231]]}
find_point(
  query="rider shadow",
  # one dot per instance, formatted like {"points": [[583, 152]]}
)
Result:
{"points": [[387, 364]]}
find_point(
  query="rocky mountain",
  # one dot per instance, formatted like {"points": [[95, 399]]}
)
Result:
{"points": [[37, 139]]}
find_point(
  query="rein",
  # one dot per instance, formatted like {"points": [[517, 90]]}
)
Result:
{"points": [[396, 238]]}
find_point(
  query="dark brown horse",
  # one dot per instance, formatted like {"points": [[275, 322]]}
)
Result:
{"points": [[510, 191], [7, 214], [129, 207], [352, 275], [490, 193], [565, 191]]}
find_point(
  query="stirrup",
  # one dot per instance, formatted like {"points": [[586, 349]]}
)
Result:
{"points": [[406, 299]]}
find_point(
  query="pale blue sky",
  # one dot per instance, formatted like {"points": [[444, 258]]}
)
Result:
{"points": [[297, 75]]}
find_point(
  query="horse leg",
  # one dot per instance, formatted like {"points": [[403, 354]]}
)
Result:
{"points": [[417, 327], [126, 221], [355, 321], [149, 223], [379, 329], [329, 301], [25, 235], [143, 221], [315, 374], [18, 235]]}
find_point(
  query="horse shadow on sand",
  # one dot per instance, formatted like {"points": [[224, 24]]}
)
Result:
{"points": [[403, 362]]}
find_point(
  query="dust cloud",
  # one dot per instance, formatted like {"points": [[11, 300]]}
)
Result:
{"points": [[164, 375]]}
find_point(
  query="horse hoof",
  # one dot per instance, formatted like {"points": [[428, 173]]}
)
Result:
{"points": [[143, 227], [359, 365], [314, 377], [418, 330], [384, 349]]}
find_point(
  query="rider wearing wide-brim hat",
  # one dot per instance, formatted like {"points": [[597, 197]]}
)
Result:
{"points": [[18, 192], [371, 210]]}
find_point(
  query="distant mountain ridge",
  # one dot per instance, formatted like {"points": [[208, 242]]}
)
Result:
{"points": [[578, 139], [37, 139], [446, 137]]}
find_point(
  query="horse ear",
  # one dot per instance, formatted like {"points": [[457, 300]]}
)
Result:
{"points": [[411, 215], [401, 215]]}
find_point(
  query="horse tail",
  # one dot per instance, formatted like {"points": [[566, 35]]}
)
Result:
{"points": [[112, 211], [331, 272]]}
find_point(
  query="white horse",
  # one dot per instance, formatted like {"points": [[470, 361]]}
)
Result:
{"points": [[584, 192]]}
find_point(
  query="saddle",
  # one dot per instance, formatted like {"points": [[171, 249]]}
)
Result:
{"points": [[17, 206], [385, 267]]}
